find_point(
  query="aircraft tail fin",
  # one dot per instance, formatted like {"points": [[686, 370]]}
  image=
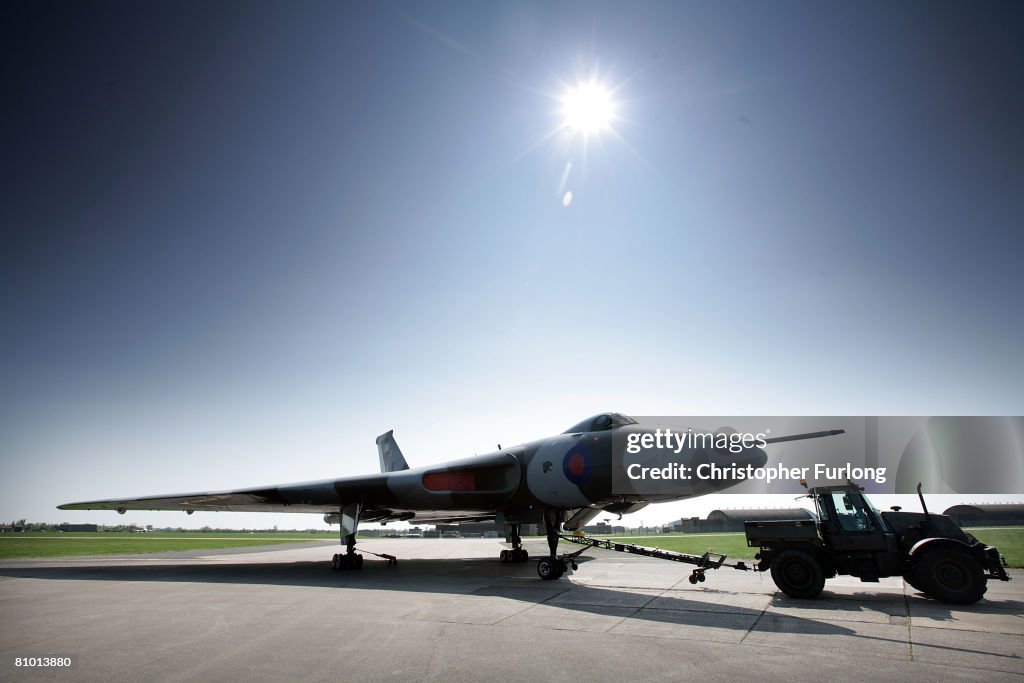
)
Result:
{"points": [[391, 458]]}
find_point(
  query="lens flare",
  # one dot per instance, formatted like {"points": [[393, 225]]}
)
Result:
{"points": [[588, 108]]}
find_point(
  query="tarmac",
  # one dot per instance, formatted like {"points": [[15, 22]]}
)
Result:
{"points": [[451, 611]]}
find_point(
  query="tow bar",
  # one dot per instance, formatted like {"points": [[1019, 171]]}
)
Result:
{"points": [[708, 560]]}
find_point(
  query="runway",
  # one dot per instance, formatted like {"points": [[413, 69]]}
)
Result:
{"points": [[451, 611]]}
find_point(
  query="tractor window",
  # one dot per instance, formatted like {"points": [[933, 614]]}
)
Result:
{"points": [[822, 509], [875, 516], [850, 512]]}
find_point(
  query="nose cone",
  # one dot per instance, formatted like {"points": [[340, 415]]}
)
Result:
{"points": [[736, 468], [758, 458]]}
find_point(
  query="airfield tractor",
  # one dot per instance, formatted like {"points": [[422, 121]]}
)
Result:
{"points": [[850, 537]]}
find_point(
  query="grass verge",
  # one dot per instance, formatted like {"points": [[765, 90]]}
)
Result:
{"points": [[77, 544]]}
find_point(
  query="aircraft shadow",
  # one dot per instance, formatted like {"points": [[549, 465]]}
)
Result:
{"points": [[487, 577], [468, 577]]}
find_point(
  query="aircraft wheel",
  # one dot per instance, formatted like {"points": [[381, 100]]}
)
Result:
{"points": [[335, 565], [550, 568], [523, 555], [951, 575], [503, 556], [693, 579], [701, 577], [798, 574], [357, 561]]}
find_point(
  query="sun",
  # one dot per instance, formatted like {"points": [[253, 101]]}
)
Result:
{"points": [[588, 108]]}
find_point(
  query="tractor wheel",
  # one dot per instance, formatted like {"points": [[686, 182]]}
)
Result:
{"points": [[912, 581], [951, 575], [798, 574]]}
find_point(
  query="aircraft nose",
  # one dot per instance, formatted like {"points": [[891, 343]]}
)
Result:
{"points": [[758, 458], [734, 466], [753, 457]]}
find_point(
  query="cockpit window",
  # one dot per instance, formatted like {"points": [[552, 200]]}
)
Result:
{"points": [[600, 423], [620, 420]]}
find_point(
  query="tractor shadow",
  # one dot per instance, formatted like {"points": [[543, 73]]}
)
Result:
{"points": [[911, 604]]}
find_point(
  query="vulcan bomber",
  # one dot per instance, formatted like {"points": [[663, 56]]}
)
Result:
{"points": [[561, 481]]}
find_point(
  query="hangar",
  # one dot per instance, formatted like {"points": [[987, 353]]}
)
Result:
{"points": [[990, 514], [732, 520]]}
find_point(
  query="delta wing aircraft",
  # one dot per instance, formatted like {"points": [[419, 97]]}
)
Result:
{"points": [[562, 481]]}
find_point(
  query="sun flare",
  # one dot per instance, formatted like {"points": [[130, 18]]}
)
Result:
{"points": [[588, 108]]}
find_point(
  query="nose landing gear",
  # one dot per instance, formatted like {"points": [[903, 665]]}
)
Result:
{"points": [[550, 568], [553, 567]]}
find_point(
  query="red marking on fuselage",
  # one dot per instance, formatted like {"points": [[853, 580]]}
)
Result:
{"points": [[449, 481], [576, 464]]}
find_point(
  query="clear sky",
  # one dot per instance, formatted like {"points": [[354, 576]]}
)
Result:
{"points": [[243, 239]]}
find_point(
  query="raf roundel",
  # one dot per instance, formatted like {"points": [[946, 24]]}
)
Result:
{"points": [[576, 464]]}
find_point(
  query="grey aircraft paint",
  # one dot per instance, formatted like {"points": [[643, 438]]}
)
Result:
{"points": [[564, 477]]}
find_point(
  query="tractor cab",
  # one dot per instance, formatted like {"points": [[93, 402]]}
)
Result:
{"points": [[843, 509], [851, 527], [851, 537]]}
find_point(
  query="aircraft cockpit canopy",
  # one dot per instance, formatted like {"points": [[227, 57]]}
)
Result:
{"points": [[601, 423]]}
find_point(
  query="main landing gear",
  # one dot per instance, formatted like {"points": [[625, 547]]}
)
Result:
{"points": [[518, 552], [348, 519], [346, 561], [514, 555], [349, 559], [352, 560]]}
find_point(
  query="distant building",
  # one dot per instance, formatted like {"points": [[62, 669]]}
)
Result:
{"points": [[11, 528], [78, 527], [989, 514], [480, 529], [732, 520]]}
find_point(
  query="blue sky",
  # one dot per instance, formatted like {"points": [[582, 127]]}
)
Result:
{"points": [[241, 240]]}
